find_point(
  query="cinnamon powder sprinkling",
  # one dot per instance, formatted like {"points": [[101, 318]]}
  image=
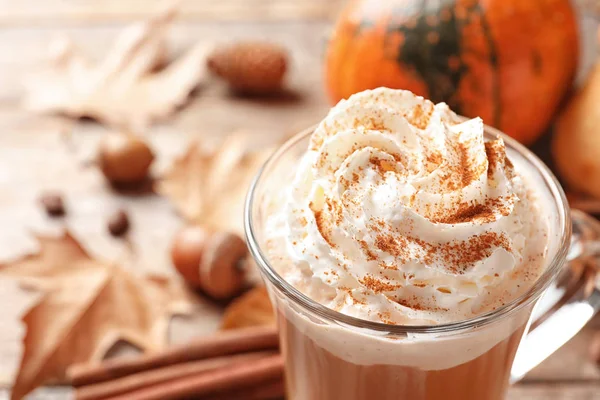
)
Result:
{"points": [[367, 250], [377, 285], [420, 117], [335, 209], [417, 303], [469, 212], [371, 123], [325, 218], [413, 303], [352, 297], [466, 170], [387, 266], [394, 245], [496, 156], [434, 158], [456, 256], [382, 166], [324, 227], [386, 317], [316, 141]]}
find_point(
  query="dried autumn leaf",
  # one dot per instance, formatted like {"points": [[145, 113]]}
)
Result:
{"points": [[209, 188], [251, 309], [124, 89], [86, 307]]}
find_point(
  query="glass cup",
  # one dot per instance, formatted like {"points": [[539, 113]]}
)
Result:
{"points": [[330, 355]]}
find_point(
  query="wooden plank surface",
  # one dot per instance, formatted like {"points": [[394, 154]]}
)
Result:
{"points": [[548, 391], [555, 391], [28, 12], [27, 141]]}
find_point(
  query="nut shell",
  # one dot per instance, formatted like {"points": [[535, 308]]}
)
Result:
{"points": [[118, 223], [124, 158], [221, 274], [186, 252], [53, 204], [250, 67]]}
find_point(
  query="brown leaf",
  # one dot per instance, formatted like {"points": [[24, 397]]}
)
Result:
{"points": [[251, 309], [86, 307], [210, 188], [124, 89]]}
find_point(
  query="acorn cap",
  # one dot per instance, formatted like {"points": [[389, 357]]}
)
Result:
{"points": [[250, 67], [222, 275]]}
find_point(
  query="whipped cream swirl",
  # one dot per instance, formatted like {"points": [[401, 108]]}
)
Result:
{"points": [[401, 213]]}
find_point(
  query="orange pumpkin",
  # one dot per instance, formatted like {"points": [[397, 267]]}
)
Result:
{"points": [[576, 141], [507, 61]]}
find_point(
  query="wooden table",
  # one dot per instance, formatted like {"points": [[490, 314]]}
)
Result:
{"points": [[33, 155]]}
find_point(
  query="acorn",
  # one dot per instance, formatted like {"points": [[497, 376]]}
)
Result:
{"points": [[124, 158], [53, 204], [210, 261], [222, 272], [250, 67], [186, 253]]}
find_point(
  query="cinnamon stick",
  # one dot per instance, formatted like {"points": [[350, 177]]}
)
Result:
{"points": [[230, 380], [224, 343], [268, 391], [156, 376]]}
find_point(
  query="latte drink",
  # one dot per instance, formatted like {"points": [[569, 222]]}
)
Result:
{"points": [[316, 373], [399, 229]]}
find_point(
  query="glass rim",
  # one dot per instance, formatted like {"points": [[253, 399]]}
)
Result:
{"points": [[542, 283]]}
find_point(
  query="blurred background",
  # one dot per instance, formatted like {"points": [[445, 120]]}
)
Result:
{"points": [[113, 116]]}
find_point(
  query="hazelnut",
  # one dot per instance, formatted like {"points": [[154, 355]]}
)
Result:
{"points": [[210, 261], [118, 223], [124, 158], [222, 275], [186, 252], [53, 204]]}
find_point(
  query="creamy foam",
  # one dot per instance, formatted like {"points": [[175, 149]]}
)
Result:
{"points": [[400, 213]]}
